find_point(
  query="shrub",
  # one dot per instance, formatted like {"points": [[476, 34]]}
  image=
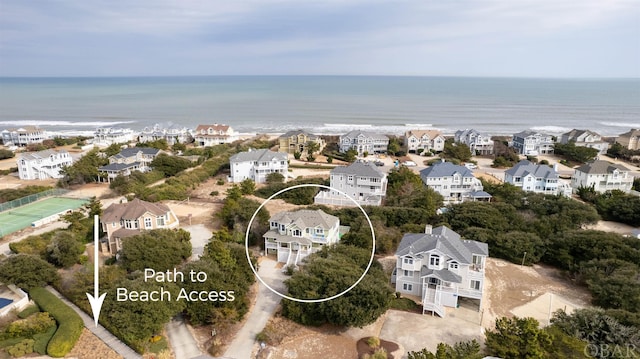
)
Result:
{"points": [[69, 322], [214, 193], [21, 349], [220, 182], [38, 323], [32, 309], [373, 342]]}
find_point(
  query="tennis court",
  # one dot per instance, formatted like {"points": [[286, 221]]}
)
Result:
{"points": [[21, 217]]}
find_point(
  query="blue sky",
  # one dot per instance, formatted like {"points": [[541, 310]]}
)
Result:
{"points": [[519, 38]]}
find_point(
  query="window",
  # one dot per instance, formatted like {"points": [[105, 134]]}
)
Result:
{"points": [[407, 287], [282, 227], [147, 222], [475, 284], [408, 261], [434, 260], [453, 265], [319, 230], [407, 273], [160, 221], [297, 233]]}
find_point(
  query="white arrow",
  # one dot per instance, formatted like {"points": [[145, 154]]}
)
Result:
{"points": [[95, 300]]}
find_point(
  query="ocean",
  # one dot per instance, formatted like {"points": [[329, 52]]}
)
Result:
{"points": [[323, 104]]}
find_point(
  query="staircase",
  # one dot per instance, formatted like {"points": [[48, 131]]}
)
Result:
{"points": [[431, 302], [292, 259]]}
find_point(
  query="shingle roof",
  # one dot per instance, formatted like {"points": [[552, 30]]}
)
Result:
{"points": [[442, 274], [305, 218], [298, 132], [600, 167], [419, 133], [444, 240], [216, 127], [359, 168], [118, 166], [132, 210], [132, 151], [40, 154], [258, 155], [356, 133], [445, 169], [525, 167]]}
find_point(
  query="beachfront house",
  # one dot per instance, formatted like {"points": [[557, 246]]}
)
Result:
{"points": [[106, 136], [585, 138], [171, 134], [364, 142], [128, 160], [602, 176], [292, 236], [43, 164], [122, 220], [630, 140], [417, 141], [257, 165], [216, 134], [23, 136], [479, 143], [455, 183], [297, 141], [361, 180], [536, 178], [532, 143], [439, 268]]}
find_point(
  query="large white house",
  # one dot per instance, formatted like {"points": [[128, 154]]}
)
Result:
{"points": [[536, 178], [532, 143], [454, 183], [362, 181], [216, 134], [23, 136], [128, 160], [630, 140], [106, 136], [43, 164], [171, 134], [603, 176], [425, 140], [257, 165], [121, 220], [292, 236], [364, 142], [479, 143], [439, 267], [585, 138]]}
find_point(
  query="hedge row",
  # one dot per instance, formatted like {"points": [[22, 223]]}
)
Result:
{"points": [[69, 322]]}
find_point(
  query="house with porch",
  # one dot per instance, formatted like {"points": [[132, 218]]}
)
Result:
{"points": [[256, 165], [531, 177], [43, 165], [439, 268], [424, 140], [216, 134], [363, 142], [455, 183], [630, 140], [297, 141], [172, 134], [23, 136], [106, 136], [294, 235], [602, 176], [361, 180], [479, 143], [585, 138], [122, 220], [129, 160], [532, 143]]}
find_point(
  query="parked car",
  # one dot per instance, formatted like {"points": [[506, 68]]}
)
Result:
{"points": [[470, 166], [378, 163], [409, 163]]}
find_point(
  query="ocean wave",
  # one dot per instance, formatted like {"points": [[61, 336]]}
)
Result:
{"points": [[551, 129], [20, 123], [418, 125], [620, 124]]}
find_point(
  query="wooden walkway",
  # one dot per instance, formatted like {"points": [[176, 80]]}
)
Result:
{"points": [[111, 340]]}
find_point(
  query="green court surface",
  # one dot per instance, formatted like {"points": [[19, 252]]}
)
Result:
{"points": [[22, 217]]}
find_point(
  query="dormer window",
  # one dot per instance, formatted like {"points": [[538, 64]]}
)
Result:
{"points": [[453, 266], [408, 261], [434, 260]]}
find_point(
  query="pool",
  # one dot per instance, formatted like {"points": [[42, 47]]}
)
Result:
{"points": [[4, 302]]}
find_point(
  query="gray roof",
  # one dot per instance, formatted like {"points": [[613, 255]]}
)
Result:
{"points": [[442, 274], [299, 132], [118, 166], [444, 240], [480, 194], [524, 168], [359, 168], [575, 133], [305, 218], [600, 167], [445, 169], [132, 210], [356, 133], [258, 155], [40, 154], [132, 151]]}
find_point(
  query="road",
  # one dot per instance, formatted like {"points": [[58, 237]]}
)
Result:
{"points": [[266, 304], [182, 342]]}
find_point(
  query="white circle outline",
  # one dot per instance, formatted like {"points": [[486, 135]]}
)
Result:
{"points": [[246, 244]]}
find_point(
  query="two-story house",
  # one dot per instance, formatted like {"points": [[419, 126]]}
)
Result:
{"points": [[128, 160], [43, 164], [439, 267], [479, 143], [363, 142], [532, 143], [23, 136], [257, 165], [292, 236], [106, 136], [121, 220], [216, 134], [425, 140], [535, 178], [454, 183], [297, 141], [603, 176], [171, 134], [585, 138], [630, 140], [362, 181]]}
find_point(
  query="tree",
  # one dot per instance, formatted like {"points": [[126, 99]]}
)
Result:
{"points": [[170, 165], [312, 148], [406, 189], [458, 151], [350, 155], [517, 338], [178, 147], [159, 249], [64, 250], [596, 327], [575, 153], [394, 145], [84, 170], [4, 154], [275, 177], [112, 150], [461, 350], [160, 144], [247, 186], [27, 271], [297, 155]]}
